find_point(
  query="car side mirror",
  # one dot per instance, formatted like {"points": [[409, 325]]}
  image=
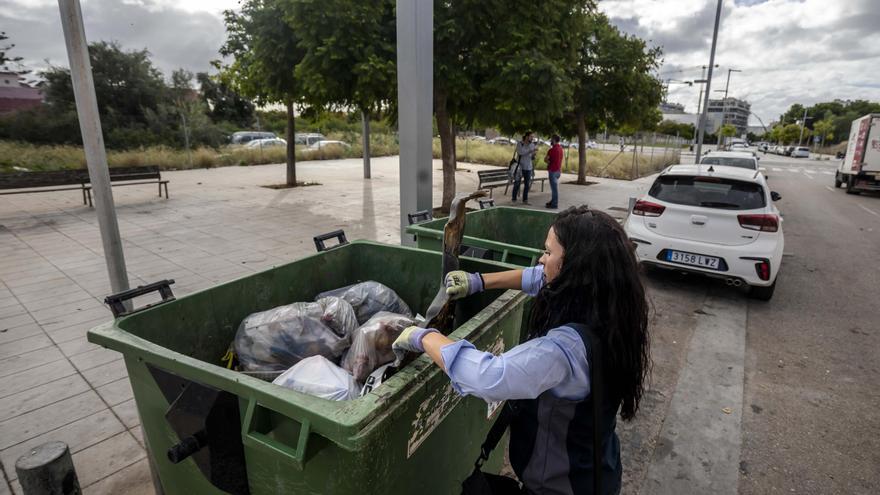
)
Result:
{"points": [[775, 196]]}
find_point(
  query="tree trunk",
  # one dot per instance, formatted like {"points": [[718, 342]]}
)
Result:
{"points": [[447, 150], [291, 147], [582, 148], [455, 144]]}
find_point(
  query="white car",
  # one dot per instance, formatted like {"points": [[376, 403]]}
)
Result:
{"points": [[719, 221], [741, 159], [326, 143], [266, 143], [800, 152]]}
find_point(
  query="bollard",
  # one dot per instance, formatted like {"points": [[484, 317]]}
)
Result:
{"points": [[47, 470]]}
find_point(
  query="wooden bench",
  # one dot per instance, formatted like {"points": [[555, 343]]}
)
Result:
{"points": [[490, 179], [70, 180], [133, 176]]}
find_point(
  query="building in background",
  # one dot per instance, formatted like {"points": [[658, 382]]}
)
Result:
{"points": [[15, 94], [675, 112], [728, 110]]}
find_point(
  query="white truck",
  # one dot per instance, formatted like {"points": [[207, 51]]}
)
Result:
{"points": [[860, 168]]}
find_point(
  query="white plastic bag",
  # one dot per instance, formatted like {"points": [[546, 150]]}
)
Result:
{"points": [[319, 377], [269, 342], [371, 344], [370, 297]]}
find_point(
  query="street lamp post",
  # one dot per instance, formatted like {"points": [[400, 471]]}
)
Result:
{"points": [[724, 103], [701, 130], [803, 123]]}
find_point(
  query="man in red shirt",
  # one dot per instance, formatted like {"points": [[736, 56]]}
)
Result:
{"points": [[554, 170]]}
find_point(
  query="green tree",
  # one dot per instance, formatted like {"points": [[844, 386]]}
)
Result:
{"points": [[266, 52], [728, 130], [789, 133], [614, 83], [672, 128], [224, 103], [127, 87], [349, 58], [824, 129], [493, 68], [4, 49]]}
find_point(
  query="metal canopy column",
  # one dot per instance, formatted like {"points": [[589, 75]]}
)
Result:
{"points": [[415, 90], [93, 140]]}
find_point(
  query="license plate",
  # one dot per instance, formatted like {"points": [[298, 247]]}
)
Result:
{"points": [[693, 259]]}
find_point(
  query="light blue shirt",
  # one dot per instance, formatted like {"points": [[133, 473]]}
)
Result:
{"points": [[556, 362]]}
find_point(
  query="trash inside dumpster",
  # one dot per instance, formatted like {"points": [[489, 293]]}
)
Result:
{"points": [[210, 429]]}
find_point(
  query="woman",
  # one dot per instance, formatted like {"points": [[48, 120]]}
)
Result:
{"points": [[587, 277]]}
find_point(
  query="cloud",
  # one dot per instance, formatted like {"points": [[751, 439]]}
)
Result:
{"points": [[790, 51], [175, 37]]}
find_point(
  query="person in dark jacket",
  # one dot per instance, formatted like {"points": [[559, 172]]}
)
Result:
{"points": [[586, 281]]}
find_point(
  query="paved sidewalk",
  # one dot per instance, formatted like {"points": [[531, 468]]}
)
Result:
{"points": [[217, 225]]}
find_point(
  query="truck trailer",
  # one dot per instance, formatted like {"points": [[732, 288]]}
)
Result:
{"points": [[860, 168]]}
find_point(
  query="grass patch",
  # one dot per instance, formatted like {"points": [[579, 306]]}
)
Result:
{"points": [[43, 158], [600, 163]]}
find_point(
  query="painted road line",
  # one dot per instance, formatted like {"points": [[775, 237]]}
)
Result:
{"points": [[829, 188], [777, 169], [698, 449], [872, 212], [828, 172], [808, 175]]}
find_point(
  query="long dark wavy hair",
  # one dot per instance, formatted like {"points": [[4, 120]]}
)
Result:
{"points": [[599, 285]]}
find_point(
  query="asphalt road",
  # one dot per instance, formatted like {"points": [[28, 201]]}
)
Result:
{"points": [[785, 399], [811, 412]]}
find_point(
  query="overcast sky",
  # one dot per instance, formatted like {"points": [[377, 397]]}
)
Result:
{"points": [[789, 51]]}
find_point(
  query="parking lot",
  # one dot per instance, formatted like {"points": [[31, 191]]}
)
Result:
{"points": [[745, 396]]}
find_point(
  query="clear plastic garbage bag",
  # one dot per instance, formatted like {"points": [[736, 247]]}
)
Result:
{"points": [[319, 377], [370, 297], [371, 343], [269, 342]]}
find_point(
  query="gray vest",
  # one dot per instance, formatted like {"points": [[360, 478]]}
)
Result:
{"points": [[551, 441]]}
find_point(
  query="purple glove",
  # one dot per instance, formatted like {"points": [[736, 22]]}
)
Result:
{"points": [[461, 284], [410, 340]]}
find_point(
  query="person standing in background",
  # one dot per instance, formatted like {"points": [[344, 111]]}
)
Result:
{"points": [[554, 170], [525, 150]]}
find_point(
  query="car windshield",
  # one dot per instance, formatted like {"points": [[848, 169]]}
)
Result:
{"points": [[709, 192], [730, 162]]}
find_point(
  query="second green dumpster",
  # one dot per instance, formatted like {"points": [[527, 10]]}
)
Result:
{"points": [[509, 235]]}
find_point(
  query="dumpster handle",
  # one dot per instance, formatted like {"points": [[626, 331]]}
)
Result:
{"points": [[250, 437], [117, 301], [420, 216], [319, 240]]}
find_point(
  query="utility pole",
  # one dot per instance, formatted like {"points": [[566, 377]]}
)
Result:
{"points": [[803, 123], [93, 141], [724, 103], [365, 135], [702, 120]]}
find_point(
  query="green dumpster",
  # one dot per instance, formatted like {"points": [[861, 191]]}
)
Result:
{"points": [[509, 235], [227, 431]]}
